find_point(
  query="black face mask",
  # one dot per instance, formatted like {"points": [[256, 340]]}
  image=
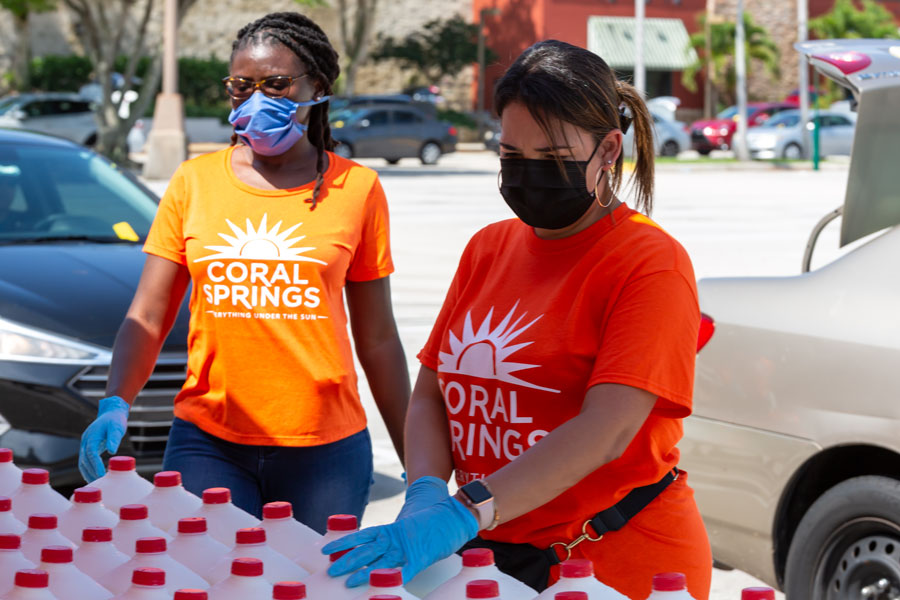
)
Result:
{"points": [[541, 195]]}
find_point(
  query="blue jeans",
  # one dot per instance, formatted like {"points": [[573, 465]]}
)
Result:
{"points": [[319, 481]]}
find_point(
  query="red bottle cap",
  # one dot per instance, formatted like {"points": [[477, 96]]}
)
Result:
{"points": [[343, 523], [278, 510], [669, 582], [250, 535], [337, 555], [150, 545], [5, 504], [121, 463], [757, 593], [9, 541], [577, 567], [96, 534], [190, 595], [149, 576], [167, 479], [192, 525], [478, 557], [216, 496], [42, 521], [32, 578], [482, 588], [385, 597], [6, 455], [247, 567], [87, 495], [56, 554], [133, 512], [571, 596], [289, 590], [385, 578], [35, 476]]}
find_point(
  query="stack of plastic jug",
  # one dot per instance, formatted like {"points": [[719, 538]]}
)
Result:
{"points": [[87, 510], [10, 474], [222, 517], [31, 584], [245, 581], [577, 575], [36, 496], [66, 580], [757, 593], [435, 575], [42, 532], [286, 534], [386, 582], [482, 589], [321, 586], [478, 563], [97, 555], [151, 553], [195, 548], [122, 485], [8, 521], [289, 590], [251, 543], [134, 524], [669, 586], [311, 557], [146, 584], [11, 560], [169, 501]]}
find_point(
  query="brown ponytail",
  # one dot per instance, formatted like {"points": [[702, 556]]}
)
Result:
{"points": [[644, 150]]}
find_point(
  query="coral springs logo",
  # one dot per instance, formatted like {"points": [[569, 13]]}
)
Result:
{"points": [[261, 243]]}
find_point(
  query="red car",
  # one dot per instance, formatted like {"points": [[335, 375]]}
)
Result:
{"points": [[716, 134]]}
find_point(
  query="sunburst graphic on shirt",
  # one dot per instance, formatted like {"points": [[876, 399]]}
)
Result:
{"points": [[261, 243], [484, 353]]}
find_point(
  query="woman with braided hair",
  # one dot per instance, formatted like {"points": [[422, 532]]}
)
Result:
{"points": [[271, 233]]}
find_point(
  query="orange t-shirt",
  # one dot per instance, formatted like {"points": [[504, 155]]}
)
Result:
{"points": [[269, 357], [529, 325]]}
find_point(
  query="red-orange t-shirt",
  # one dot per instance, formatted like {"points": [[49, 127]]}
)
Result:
{"points": [[269, 357], [530, 324]]}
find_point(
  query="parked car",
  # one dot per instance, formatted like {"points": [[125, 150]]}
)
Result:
{"points": [[391, 132], [793, 450], [784, 137], [716, 134], [426, 93], [71, 228], [62, 114], [670, 137]]}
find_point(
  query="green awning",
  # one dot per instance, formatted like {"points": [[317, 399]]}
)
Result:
{"points": [[665, 43]]}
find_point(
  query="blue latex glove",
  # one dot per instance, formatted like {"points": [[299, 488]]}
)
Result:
{"points": [[104, 434], [412, 543], [424, 492]]}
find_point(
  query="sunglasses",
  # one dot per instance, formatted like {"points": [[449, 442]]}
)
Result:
{"points": [[276, 86]]}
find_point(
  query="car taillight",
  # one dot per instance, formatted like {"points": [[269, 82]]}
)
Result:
{"points": [[451, 130], [707, 329]]}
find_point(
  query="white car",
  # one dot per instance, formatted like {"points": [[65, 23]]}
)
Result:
{"points": [[782, 136], [794, 446]]}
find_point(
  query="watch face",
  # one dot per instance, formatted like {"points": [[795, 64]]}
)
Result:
{"points": [[476, 492]]}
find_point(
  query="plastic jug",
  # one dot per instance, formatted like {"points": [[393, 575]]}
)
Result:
{"points": [[10, 474], [435, 575], [146, 584], [122, 485], [311, 557], [246, 581], [86, 510], [36, 496], [8, 521], [577, 575], [97, 555], [169, 501], [251, 543], [289, 590], [151, 553], [322, 586], [190, 595], [757, 593], [480, 589], [386, 582], [30, 584], [669, 586], [42, 532], [478, 563], [195, 548], [286, 534], [11, 560], [222, 517], [66, 581], [134, 523]]}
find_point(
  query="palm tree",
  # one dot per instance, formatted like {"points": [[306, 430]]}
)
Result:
{"points": [[845, 21], [760, 47]]}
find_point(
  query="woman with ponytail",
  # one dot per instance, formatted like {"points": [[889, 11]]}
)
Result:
{"points": [[556, 378], [271, 232]]}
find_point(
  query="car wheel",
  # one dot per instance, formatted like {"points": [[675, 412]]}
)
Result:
{"points": [[670, 148], [704, 152], [90, 141], [343, 150], [430, 153], [792, 152], [848, 544], [392, 161]]}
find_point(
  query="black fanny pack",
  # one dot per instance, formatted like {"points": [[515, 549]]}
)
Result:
{"points": [[531, 565]]}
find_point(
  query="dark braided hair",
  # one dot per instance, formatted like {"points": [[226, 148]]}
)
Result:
{"points": [[303, 37]]}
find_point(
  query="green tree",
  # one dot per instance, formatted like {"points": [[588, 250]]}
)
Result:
{"points": [[443, 47], [21, 10], [759, 48], [846, 21]]}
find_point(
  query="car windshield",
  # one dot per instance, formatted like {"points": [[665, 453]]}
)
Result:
{"points": [[66, 194], [728, 113], [784, 120]]}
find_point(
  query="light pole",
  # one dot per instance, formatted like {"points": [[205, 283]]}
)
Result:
{"points": [[480, 100], [803, 72], [640, 73], [167, 144], [739, 142]]}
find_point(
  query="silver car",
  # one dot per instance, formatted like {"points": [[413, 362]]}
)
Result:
{"points": [[794, 446], [670, 137], [782, 136]]}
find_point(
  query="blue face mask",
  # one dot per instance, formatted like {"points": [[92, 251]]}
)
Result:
{"points": [[269, 125]]}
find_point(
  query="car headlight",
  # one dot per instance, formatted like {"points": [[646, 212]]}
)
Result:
{"points": [[723, 131], [24, 344], [709, 130]]}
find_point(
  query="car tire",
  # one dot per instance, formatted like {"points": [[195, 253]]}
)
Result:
{"points": [[704, 152], [429, 153], [670, 148], [90, 141], [792, 152], [392, 161], [848, 540], [343, 150]]}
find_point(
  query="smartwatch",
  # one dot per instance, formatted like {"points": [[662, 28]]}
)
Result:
{"points": [[481, 499]]}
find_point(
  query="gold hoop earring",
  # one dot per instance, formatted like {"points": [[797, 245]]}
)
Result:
{"points": [[597, 183]]}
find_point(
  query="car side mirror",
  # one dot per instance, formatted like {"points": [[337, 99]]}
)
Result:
{"points": [[18, 114], [365, 123]]}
